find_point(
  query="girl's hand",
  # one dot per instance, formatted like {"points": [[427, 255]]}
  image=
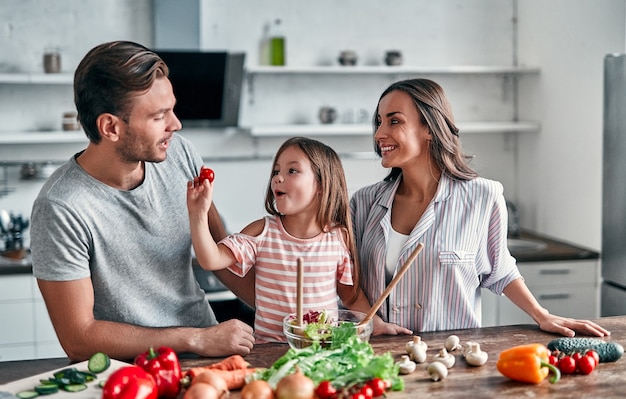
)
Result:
{"points": [[199, 196]]}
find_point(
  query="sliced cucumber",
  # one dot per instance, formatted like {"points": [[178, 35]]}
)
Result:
{"points": [[75, 387], [99, 362], [46, 389], [27, 394]]}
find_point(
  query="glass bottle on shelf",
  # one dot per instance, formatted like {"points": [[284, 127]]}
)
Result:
{"points": [[277, 44]]}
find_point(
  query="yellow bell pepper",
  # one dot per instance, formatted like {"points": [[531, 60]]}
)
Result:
{"points": [[527, 363]]}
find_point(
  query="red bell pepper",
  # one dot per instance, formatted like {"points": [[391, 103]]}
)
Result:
{"points": [[164, 366], [130, 382]]}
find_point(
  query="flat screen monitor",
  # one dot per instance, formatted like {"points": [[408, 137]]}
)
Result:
{"points": [[207, 86]]}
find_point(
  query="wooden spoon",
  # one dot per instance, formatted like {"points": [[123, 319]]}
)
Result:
{"points": [[300, 292], [392, 284]]}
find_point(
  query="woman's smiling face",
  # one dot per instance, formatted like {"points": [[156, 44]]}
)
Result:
{"points": [[401, 135]]}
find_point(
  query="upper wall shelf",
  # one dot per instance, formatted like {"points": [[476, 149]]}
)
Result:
{"points": [[37, 78], [383, 69], [335, 129]]}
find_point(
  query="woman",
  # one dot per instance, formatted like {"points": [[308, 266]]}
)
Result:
{"points": [[433, 196]]}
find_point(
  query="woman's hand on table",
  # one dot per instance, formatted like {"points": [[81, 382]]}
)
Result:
{"points": [[570, 327], [383, 328]]}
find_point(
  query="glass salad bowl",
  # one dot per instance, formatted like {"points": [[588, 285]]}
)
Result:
{"points": [[329, 328]]}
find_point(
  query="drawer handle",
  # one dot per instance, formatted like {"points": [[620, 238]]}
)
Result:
{"points": [[553, 296], [553, 272]]}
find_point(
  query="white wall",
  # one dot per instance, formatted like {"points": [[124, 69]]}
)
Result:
{"points": [[560, 170], [555, 176]]}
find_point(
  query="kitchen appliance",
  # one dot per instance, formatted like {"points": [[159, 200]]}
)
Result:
{"points": [[613, 291], [207, 86]]}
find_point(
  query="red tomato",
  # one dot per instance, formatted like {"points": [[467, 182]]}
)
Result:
{"points": [[594, 355], [567, 365], [325, 390], [553, 360], [586, 364], [358, 395], [378, 386], [367, 391], [206, 173]]}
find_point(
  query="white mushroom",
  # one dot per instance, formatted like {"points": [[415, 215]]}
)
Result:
{"points": [[467, 347], [444, 357], [416, 341], [407, 366], [418, 354], [437, 371], [475, 356], [453, 343]]}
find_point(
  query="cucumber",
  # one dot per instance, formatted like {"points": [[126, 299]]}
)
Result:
{"points": [[46, 389], [28, 394], [607, 351], [99, 362]]}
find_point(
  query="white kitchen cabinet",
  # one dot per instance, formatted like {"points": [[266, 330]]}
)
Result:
{"points": [[566, 288], [25, 331]]}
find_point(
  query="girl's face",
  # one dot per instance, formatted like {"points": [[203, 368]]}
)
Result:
{"points": [[401, 135], [294, 184]]}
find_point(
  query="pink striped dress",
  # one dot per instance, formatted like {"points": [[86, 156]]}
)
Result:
{"points": [[273, 254]]}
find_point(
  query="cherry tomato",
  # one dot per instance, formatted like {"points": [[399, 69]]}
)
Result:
{"points": [[594, 355], [367, 391], [567, 365], [358, 395], [586, 364], [325, 390], [378, 386], [206, 173], [553, 360]]}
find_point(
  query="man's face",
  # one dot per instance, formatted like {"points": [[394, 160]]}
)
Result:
{"points": [[151, 124]]}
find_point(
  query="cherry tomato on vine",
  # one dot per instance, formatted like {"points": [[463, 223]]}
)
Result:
{"points": [[325, 390], [594, 355], [206, 173], [553, 360], [567, 365], [378, 386], [367, 391], [586, 364], [358, 395]]}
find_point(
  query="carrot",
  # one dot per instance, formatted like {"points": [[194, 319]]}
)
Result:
{"points": [[235, 379], [234, 362]]}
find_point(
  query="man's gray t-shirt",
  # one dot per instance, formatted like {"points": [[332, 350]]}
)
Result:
{"points": [[135, 245]]}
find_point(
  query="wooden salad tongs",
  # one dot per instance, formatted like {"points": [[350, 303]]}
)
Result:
{"points": [[392, 284]]}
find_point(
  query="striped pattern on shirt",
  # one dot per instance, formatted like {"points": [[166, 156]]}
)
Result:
{"points": [[274, 254], [463, 230]]}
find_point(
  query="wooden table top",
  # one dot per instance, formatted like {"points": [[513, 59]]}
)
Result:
{"points": [[607, 381]]}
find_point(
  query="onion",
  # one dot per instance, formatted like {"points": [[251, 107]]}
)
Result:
{"points": [[257, 389], [213, 379], [201, 390], [295, 386]]}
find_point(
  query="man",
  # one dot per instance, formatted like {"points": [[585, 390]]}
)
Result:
{"points": [[110, 237]]}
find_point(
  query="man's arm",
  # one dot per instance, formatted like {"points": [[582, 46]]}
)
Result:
{"points": [[70, 306]]}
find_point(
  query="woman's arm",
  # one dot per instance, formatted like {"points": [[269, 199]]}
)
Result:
{"points": [[520, 295]]}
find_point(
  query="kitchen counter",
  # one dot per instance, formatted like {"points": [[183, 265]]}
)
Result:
{"points": [[607, 381], [551, 250]]}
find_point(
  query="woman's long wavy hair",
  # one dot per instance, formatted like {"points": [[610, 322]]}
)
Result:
{"points": [[435, 111]]}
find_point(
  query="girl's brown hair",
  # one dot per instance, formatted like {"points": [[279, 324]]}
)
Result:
{"points": [[334, 210]]}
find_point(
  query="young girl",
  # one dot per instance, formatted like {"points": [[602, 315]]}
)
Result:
{"points": [[307, 200]]}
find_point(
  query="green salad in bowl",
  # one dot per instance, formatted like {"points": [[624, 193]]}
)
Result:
{"points": [[328, 328]]}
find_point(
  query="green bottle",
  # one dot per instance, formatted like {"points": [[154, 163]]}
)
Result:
{"points": [[277, 45]]}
